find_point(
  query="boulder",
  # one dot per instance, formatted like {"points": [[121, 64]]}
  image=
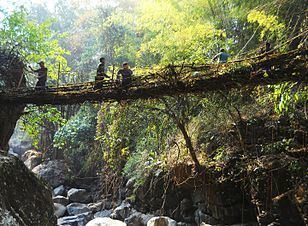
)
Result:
{"points": [[11, 71], [19, 144], [6, 219], [107, 204], [252, 224], [78, 195], [32, 158], [55, 172], [161, 221], [59, 191], [184, 224], [138, 219], [103, 213], [95, 207], [59, 210], [105, 221], [77, 208], [122, 211], [61, 200], [23, 197], [77, 220], [202, 217]]}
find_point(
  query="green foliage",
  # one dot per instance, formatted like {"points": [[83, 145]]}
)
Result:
{"points": [[134, 137], [173, 35], [269, 23], [278, 147], [76, 137], [131, 136], [37, 119], [287, 96], [33, 41]]}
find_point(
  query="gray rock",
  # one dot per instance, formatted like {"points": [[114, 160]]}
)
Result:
{"points": [[59, 191], [95, 207], [77, 220], [184, 224], [61, 200], [104, 213], [32, 158], [138, 219], [78, 195], [122, 211], [161, 221], [59, 210], [250, 224], [105, 222], [7, 219], [55, 172], [202, 217], [20, 141], [107, 204], [77, 208], [27, 198]]}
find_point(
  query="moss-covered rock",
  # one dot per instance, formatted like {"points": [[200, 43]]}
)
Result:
{"points": [[23, 197], [11, 76]]}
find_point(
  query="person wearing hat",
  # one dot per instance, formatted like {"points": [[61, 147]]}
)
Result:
{"points": [[100, 74], [41, 75], [222, 56], [126, 74]]}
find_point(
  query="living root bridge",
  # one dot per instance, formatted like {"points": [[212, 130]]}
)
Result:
{"points": [[174, 80]]}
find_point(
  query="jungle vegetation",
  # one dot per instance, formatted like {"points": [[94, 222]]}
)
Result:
{"points": [[131, 138]]}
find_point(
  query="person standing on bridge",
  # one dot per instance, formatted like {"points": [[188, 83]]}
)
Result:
{"points": [[100, 74], [126, 74], [266, 48], [222, 56], [41, 75]]}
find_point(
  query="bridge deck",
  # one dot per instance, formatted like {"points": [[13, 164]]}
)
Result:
{"points": [[174, 80]]}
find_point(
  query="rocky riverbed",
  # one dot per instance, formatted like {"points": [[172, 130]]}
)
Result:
{"points": [[49, 196]]}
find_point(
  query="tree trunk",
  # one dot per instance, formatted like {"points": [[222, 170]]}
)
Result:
{"points": [[189, 146]]}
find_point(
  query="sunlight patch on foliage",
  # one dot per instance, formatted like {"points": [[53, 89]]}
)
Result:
{"points": [[269, 23]]}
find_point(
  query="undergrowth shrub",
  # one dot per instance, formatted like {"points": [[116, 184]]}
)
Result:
{"points": [[76, 137]]}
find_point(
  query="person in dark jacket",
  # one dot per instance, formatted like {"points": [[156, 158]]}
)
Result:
{"points": [[100, 74], [126, 75], [266, 48], [41, 76]]}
